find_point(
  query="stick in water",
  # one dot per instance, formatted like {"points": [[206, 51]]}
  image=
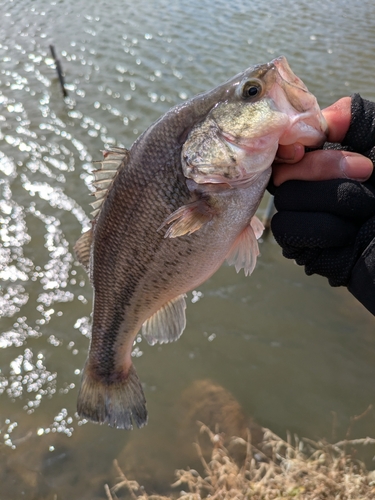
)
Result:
{"points": [[59, 71]]}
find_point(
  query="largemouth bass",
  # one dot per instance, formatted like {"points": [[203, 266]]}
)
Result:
{"points": [[170, 211]]}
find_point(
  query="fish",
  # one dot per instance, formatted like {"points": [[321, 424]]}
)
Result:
{"points": [[170, 210]]}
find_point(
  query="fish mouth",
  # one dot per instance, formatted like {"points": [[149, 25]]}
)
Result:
{"points": [[309, 120], [211, 184], [288, 77], [201, 175]]}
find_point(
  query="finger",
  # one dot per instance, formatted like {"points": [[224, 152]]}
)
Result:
{"points": [[338, 117], [345, 198], [324, 165], [312, 230], [292, 153]]}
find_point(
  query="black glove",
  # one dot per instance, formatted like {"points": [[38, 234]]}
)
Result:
{"points": [[329, 226]]}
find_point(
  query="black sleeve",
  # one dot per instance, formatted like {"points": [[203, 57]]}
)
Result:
{"points": [[360, 138], [362, 281]]}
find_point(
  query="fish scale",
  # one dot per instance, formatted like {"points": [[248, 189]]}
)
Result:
{"points": [[169, 211]]}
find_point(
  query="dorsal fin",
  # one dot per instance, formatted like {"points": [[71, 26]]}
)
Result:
{"points": [[113, 159], [82, 248]]}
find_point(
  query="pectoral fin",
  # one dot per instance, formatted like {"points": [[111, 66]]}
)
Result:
{"points": [[167, 324], [188, 219], [245, 250], [257, 226]]}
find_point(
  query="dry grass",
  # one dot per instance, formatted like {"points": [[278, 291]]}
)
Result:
{"points": [[292, 469]]}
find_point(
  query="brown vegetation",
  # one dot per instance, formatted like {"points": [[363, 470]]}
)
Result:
{"points": [[277, 469]]}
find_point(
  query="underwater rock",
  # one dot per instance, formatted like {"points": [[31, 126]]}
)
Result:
{"points": [[150, 457], [208, 402]]}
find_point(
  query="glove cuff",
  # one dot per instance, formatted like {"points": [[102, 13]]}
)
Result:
{"points": [[361, 134], [362, 280]]}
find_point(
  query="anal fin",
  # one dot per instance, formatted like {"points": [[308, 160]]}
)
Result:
{"points": [[167, 324], [245, 250], [188, 219], [82, 248]]}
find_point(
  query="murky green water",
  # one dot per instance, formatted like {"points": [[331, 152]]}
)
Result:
{"points": [[292, 350]]}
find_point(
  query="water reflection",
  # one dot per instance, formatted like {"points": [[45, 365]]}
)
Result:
{"points": [[289, 348]]}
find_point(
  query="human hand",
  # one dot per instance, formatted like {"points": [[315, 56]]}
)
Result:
{"points": [[293, 164], [328, 225]]}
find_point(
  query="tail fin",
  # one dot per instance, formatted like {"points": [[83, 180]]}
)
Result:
{"points": [[117, 404]]}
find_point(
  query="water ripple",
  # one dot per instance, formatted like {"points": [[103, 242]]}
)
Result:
{"points": [[124, 68]]}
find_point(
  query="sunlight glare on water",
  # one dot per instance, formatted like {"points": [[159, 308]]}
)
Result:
{"points": [[289, 348]]}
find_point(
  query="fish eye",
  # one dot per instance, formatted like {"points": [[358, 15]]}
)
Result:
{"points": [[251, 89]]}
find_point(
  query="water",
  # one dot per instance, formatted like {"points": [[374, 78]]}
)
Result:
{"points": [[296, 353]]}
